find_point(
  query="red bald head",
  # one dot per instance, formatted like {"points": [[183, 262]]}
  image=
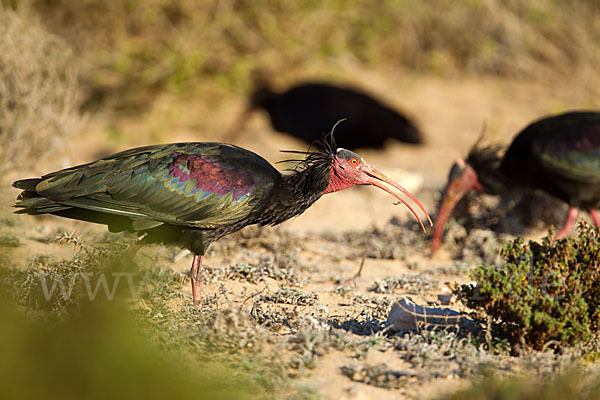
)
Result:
{"points": [[349, 169]]}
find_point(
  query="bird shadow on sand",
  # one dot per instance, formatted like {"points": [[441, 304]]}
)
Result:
{"points": [[512, 214], [481, 224], [361, 327]]}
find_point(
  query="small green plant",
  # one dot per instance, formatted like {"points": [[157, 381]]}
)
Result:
{"points": [[379, 375], [548, 291], [7, 240], [286, 295]]}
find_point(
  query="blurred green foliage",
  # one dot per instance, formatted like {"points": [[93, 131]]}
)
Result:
{"points": [[98, 352], [132, 49], [570, 385], [85, 340], [548, 291]]}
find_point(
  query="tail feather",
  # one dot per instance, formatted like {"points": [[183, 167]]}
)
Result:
{"points": [[30, 204], [27, 184], [98, 208]]}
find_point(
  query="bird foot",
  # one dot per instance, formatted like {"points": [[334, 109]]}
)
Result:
{"points": [[196, 293]]}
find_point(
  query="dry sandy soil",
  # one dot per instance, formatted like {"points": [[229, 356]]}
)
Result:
{"points": [[324, 247]]}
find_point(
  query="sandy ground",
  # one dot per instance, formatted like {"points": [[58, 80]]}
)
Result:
{"points": [[451, 113]]}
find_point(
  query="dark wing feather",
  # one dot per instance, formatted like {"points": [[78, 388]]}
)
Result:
{"points": [[560, 155], [567, 146], [575, 153], [203, 185]]}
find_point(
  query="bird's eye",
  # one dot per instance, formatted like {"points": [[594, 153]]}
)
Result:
{"points": [[354, 161]]}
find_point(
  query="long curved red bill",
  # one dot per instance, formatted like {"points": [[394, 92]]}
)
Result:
{"points": [[457, 187], [373, 173]]}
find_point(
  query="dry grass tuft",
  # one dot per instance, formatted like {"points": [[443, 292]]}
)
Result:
{"points": [[406, 283], [38, 91], [379, 375]]}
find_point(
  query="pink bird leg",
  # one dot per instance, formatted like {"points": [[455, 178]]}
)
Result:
{"points": [[595, 217], [195, 275], [571, 217]]}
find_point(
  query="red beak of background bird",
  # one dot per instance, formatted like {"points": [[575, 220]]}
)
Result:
{"points": [[461, 180], [371, 176]]}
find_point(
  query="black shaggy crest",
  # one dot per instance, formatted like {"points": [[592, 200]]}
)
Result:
{"points": [[315, 167], [485, 160], [323, 156]]}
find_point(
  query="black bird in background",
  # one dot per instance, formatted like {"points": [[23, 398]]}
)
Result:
{"points": [[308, 110], [192, 194], [559, 155]]}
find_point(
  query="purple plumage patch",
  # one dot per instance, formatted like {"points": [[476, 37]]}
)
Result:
{"points": [[212, 177]]}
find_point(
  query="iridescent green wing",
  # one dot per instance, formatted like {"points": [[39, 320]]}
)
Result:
{"points": [[204, 185], [572, 148]]}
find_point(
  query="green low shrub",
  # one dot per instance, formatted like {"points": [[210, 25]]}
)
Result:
{"points": [[548, 291]]}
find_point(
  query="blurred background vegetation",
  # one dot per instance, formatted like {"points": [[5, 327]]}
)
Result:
{"points": [[129, 52]]}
